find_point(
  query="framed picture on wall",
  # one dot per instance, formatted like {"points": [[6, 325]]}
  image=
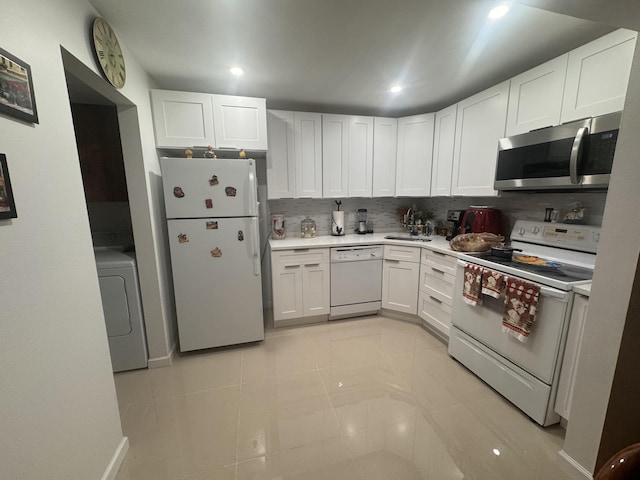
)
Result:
{"points": [[16, 89], [7, 205]]}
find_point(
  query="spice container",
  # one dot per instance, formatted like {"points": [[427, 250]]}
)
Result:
{"points": [[307, 228]]}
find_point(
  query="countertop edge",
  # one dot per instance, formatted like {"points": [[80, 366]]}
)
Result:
{"points": [[583, 289]]}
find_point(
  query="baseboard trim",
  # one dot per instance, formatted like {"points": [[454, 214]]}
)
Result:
{"points": [[159, 362], [116, 461], [572, 467]]}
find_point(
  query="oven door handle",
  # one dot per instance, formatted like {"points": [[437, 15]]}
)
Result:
{"points": [[544, 291]]}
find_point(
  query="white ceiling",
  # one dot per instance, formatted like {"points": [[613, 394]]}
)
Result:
{"points": [[341, 55]]}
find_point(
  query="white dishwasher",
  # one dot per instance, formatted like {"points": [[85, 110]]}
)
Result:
{"points": [[356, 281]]}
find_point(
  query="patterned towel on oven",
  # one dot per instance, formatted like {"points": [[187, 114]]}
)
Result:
{"points": [[492, 283], [520, 307], [472, 290]]}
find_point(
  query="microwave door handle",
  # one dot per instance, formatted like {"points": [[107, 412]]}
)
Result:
{"points": [[576, 154]]}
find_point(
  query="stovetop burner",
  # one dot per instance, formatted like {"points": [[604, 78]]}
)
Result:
{"points": [[564, 273]]}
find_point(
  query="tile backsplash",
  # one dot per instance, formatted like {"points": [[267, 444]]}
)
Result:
{"points": [[385, 212]]}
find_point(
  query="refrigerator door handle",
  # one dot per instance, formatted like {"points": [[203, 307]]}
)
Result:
{"points": [[253, 199], [256, 246]]}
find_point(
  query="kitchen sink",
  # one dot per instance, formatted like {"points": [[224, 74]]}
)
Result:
{"points": [[409, 238]]}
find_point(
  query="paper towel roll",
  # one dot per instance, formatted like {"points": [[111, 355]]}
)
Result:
{"points": [[337, 223]]}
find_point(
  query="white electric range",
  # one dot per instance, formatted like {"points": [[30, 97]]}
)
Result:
{"points": [[525, 373]]}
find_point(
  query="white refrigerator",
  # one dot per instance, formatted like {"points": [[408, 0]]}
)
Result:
{"points": [[212, 217]]}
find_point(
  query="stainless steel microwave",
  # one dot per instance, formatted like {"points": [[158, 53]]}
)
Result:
{"points": [[573, 155]]}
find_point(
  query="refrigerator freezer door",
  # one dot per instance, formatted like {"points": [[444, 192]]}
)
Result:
{"points": [[205, 187], [217, 288]]}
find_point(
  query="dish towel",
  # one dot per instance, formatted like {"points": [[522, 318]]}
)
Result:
{"points": [[492, 283], [472, 290], [520, 307]]}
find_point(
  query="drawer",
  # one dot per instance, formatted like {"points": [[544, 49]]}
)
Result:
{"points": [[433, 314], [438, 300], [441, 283], [399, 252], [300, 256], [441, 261]]}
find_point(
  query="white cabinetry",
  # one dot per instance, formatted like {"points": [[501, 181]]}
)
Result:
{"points": [[385, 144], [435, 297], [335, 156], [479, 125], [400, 272], [240, 122], [300, 283], [188, 119], [182, 119], [535, 97], [360, 156], [308, 154], [415, 152], [564, 396], [598, 75], [443, 143], [281, 172]]}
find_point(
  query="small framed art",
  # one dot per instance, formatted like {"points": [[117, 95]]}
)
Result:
{"points": [[7, 205], [16, 89]]}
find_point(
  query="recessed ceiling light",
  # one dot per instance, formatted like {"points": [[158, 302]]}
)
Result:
{"points": [[237, 71], [395, 88], [498, 11]]}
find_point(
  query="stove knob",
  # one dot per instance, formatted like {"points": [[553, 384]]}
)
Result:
{"points": [[535, 230], [521, 231], [596, 237]]}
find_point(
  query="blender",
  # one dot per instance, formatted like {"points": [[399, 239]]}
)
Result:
{"points": [[362, 221]]}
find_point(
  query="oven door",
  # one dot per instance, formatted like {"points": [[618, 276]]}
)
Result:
{"points": [[539, 355]]}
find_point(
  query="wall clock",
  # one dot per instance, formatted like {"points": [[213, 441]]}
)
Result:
{"points": [[108, 52]]}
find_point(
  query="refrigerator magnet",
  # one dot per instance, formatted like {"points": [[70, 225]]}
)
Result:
{"points": [[212, 225], [240, 235], [182, 238], [213, 180], [208, 203], [230, 191], [178, 192], [216, 253]]}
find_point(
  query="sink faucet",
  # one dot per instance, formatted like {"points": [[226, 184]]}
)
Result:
{"points": [[408, 219]]}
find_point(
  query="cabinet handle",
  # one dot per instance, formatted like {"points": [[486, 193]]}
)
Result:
{"points": [[437, 300], [441, 272], [292, 266], [439, 253], [311, 264], [300, 250], [391, 260]]}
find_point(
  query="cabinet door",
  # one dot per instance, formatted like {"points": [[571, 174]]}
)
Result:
{"points": [[443, 140], [308, 154], [240, 122], [479, 125], [535, 97], [415, 151], [182, 119], [287, 292], [385, 144], [316, 289], [400, 286], [564, 396], [360, 156], [434, 312], [598, 76], [281, 170], [335, 156]]}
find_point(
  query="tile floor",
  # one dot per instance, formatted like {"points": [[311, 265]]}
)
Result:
{"points": [[371, 398]]}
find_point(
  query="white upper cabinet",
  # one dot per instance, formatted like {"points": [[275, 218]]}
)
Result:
{"points": [[598, 76], [182, 119], [415, 151], [535, 97], [335, 156], [385, 144], [443, 142], [360, 156], [308, 154], [240, 122], [187, 120], [479, 125], [281, 171]]}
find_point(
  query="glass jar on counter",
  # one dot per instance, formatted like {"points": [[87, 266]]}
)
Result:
{"points": [[307, 228]]}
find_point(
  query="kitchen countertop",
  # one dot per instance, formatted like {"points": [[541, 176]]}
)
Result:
{"points": [[583, 289], [437, 243]]}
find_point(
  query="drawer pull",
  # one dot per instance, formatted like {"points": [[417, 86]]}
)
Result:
{"points": [[292, 266], [437, 300], [311, 264], [438, 271], [391, 260], [439, 253], [301, 250]]}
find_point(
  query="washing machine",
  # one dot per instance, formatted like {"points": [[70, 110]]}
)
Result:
{"points": [[118, 277]]}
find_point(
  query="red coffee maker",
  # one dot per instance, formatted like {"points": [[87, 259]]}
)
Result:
{"points": [[479, 219]]}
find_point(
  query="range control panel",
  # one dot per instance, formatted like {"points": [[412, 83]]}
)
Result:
{"points": [[583, 238]]}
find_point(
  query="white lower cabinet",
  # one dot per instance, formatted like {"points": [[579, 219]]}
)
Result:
{"points": [[435, 297], [300, 280], [571, 355], [400, 272]]}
